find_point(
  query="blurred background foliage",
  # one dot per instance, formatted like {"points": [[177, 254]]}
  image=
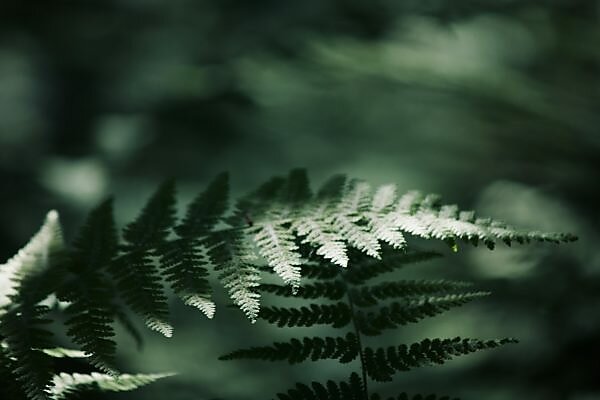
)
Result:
{"points": [[494, 104]]}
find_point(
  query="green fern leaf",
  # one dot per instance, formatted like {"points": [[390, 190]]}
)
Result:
{"points": [[9, 384], [317, 232], [44, 248], [21, 328], [424, 216], [314, 225], [61, 352], [338, 315], [233, 260], [276, 244], [63, 385], [410, 311], [343, 349], [382, 224], [369, 296], [138, 278], [351, 390], [345, 221], [184, 260], [382, 363], [89, 290]]}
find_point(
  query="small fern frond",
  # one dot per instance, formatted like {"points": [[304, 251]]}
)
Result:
{"points": [[351, 390], [233, 260], [343, 349], [424, 216], [337, 315], [410, 311], [276, 244], [184, 259], [61, 352], [383, 225], [318, 233], [36, 256], [382, 363], [369, 296], [10, 387], [88, 289], [137, 276], [63, 385], [24, 336]]}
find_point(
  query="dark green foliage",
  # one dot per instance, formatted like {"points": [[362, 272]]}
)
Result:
{"points": [[137, 276], [368, 296], [338, 315], [351, 390], [10, 386], [23, 334], [382, 363], [343, 349], [185, 258], [89, 290], [412, 310], [341, 238], [363, 309]]}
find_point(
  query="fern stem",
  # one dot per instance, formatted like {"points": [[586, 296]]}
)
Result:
{"points": [[358, 338]]}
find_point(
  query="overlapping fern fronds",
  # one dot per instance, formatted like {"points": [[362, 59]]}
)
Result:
{"points": [[281, 227], [42, 268], [357, 308]]}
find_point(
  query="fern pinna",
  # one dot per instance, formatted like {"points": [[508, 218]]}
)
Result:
{"points": [[103, 277], [358, 309]]}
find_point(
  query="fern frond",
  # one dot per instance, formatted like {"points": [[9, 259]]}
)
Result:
{"points": [[329, 290], [184, 259], [233, 260], [63, 385], [296, 189], [276, 244], [369, 296], [9, 384], [351, 390], [36, 256], [61, 352], [382, 224], [24, 336], [137, 276], [410, 311], [317, 232], [343, 349], [382, 363], [88, 289], [424, 216], [337, 315]]}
